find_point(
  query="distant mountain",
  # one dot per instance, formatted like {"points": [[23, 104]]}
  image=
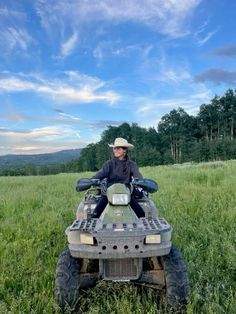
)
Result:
{"points": [[61, 157]]}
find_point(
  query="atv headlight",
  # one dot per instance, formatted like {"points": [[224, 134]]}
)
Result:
{"points": [[73, 237], [86, 239], [120, 199], [153, 239]]}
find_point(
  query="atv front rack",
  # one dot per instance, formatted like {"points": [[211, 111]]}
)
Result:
{"points": [[95, 225]]}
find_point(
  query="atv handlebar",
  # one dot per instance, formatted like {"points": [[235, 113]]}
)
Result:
{"points": [[147, 185], [85, 184]]}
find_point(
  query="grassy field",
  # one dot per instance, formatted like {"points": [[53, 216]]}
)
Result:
{"points": [[199, 200]]}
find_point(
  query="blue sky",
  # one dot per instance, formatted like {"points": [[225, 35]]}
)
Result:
{"points": [[68, 69]]}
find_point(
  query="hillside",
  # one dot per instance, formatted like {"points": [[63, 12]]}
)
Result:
{"points": [[60, 157]]}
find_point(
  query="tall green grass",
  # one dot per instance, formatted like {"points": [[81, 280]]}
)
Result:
{"points": [[198, 200]]}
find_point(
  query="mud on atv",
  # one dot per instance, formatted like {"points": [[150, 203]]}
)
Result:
{"points": [[119, 246]]}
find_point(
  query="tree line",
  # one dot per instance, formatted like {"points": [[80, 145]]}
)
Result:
{"points": [[179, 137]]}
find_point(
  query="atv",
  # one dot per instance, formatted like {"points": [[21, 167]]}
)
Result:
{"points": [[119, 246]]}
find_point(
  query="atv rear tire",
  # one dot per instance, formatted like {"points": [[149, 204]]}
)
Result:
{"points": [[177, 282], [67, 281]]}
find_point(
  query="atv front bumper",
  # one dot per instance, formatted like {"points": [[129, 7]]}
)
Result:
{"points": [[112, 241], [93, 252]]}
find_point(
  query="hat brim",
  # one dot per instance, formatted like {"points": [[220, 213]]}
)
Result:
{"points": [[129, 146]]}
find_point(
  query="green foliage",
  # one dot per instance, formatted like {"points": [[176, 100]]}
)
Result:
{"points": [[211, 135], [197, 199]]}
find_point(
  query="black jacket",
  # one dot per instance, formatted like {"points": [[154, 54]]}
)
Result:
{"points": [[118, 171]]}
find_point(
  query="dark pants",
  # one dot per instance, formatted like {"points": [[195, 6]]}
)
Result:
{"points": [[103, 202]]}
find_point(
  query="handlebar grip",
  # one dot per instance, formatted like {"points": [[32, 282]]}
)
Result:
{"points": [[95, 181]]}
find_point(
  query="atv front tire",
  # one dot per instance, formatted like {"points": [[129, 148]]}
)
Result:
{"points": [[67, 281], [177, 282]]}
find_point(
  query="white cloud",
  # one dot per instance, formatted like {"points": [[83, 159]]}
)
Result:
{"points": [[11, 13], [39, 140], [150, 111], [79, 88], [113, 48], [174, 75], [12, 38], [14, 84], [206, 38], [62, 118], [169, 17], [202, 35], [69, 117], [19, 38], [68, 47], [43, 134], [14, 116], [163, 72], [98, 54], [13, 31], [80, 79]]}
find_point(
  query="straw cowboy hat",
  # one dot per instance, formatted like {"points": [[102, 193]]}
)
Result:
{"points": [[121, 142]]}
